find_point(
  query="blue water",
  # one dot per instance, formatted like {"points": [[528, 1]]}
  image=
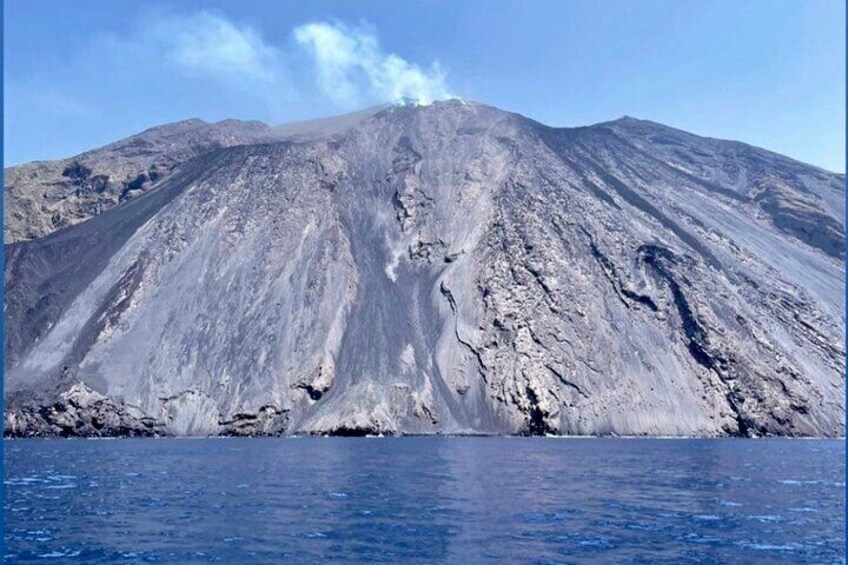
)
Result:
{"points": [[425, 500]]}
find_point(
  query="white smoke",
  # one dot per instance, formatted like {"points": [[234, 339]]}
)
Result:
{"points": [[351, 68]]}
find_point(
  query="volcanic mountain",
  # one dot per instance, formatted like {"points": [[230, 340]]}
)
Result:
{"points": [[442, 269]]}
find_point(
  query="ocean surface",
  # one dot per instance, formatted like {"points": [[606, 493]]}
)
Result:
{"points": [[425, 500]]}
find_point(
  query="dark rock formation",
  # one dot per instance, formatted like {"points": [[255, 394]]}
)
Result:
{"points": [[442, 269], [81, 412]]}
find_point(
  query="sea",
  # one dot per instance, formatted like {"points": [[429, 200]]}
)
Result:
{"points": [[424, 500]]}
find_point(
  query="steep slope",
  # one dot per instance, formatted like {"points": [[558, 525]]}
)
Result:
{"points": [[445, 269], [44, 196]]}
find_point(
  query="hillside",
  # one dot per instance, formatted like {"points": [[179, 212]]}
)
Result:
{"points": [[452, 268]]}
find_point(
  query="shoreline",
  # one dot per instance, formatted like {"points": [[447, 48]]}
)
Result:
{"points": [[431, 436]]}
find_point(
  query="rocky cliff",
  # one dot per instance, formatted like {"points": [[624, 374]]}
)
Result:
{"points": [[444, 269]]}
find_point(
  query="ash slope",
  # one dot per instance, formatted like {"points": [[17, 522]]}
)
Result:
{"points": [[445, 269], [45, 196]]}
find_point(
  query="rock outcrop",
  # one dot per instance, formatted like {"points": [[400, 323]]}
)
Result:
{"points": [[443, 269], [81, 412]]}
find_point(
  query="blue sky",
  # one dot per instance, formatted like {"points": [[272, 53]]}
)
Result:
{"points": [[83, 73]]}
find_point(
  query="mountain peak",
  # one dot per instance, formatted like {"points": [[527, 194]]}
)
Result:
{"points": [[449, 268], [404, 101], [419, 102]]}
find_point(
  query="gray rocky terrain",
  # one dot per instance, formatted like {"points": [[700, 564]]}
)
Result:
{"points": [[44, 196], [417, 270]]}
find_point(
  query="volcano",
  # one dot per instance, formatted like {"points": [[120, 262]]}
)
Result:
{"points": [[442, 269]]}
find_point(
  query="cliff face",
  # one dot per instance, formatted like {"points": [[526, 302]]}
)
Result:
{"points": [[442, 269]]}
